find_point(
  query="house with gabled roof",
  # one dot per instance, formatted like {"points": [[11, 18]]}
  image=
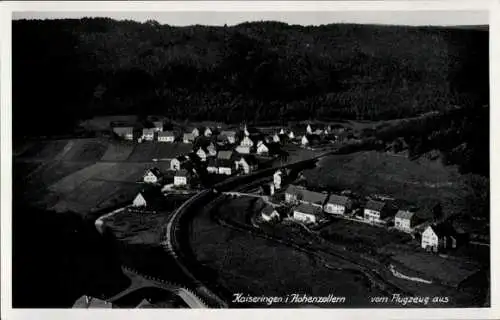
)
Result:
{"points": [[181, 178], [225, 166], [437, 237], [229, 135], [188, 137], [89, 302], [148, 134], [262, 148], [212, 166], [307, 213], [152, 199], [246, 142], [126, 133], [299, 194], [376, 211], [269, 214], [195, 132], [202, 153], [212, 150], [153, 176], [405, 220], [291, 135], [176, 163], [247, 164], [207, 132], [158, 126], [166, 136], [338, 204]]}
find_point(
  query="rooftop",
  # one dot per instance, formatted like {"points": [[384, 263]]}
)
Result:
{"points": [[340, 200], [375, 205], [307, 208]]}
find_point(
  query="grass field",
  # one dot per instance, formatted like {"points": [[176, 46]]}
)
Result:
{"points": [[45, 150], [103, 122], [50, 172], [118, 151], [72, 181], [127, 172], [415, 182], [86, 150], [147, 151]]}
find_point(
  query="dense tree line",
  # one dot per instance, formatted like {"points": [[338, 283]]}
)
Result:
{"points": [[65, 70]]}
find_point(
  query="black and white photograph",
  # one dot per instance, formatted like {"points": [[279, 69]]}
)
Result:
{"points": [[335, 159]]}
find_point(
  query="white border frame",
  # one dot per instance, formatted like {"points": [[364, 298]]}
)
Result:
{"points": [[492, 6]]}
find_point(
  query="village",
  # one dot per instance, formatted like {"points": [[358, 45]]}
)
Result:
{"points": [[241, 151]]}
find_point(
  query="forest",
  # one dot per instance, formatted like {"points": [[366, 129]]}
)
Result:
{"points": [[66, 70]]}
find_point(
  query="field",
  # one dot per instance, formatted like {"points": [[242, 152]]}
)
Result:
{"points": [[45, 150], [415, 182], [86, 150], [126, 172], [119, 151], [147, 151], [73, 180]]}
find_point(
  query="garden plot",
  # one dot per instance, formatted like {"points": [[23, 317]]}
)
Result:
{"points": [[71, 182]]}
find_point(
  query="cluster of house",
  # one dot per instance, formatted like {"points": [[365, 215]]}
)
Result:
{"points": [[312, 207]]}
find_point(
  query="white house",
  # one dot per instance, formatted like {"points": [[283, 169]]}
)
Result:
{"points": [[148, 134], [309, 129], [181, 178], [166, 136], [306, 213], [262, 148], [375, 211], [158, 126], [438, 237], [188, 138], [225, 167], [139, 201], [246, 142], [175, 163], [276, 138], [404, 220], [282, 131], [269, 213], [207, 132], [245, 131], [291, 135], [212, 166], [247, 164], [304, 141], [195, 132], [337, 204], [202, 154], [153, 175], [277, 179]]}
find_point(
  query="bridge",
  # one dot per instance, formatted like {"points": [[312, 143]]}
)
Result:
{"points": [[139, 281]]}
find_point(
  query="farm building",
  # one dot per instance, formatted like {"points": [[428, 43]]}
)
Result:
{"points": [[225, 155], [86, 301], [247, 164], [269, 213], [225, 166], [405, 220], [126, 133], [181, 178], [158, 126], [188, 138], [166, 136], [438, 237], [148, 134], [376, 211], [306, 213], [300, 194], [230, 136], [153, 175], [338, 204], [212, 166]]}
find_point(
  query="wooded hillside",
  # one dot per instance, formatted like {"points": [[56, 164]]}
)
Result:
{"points": [[64, 70]]}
